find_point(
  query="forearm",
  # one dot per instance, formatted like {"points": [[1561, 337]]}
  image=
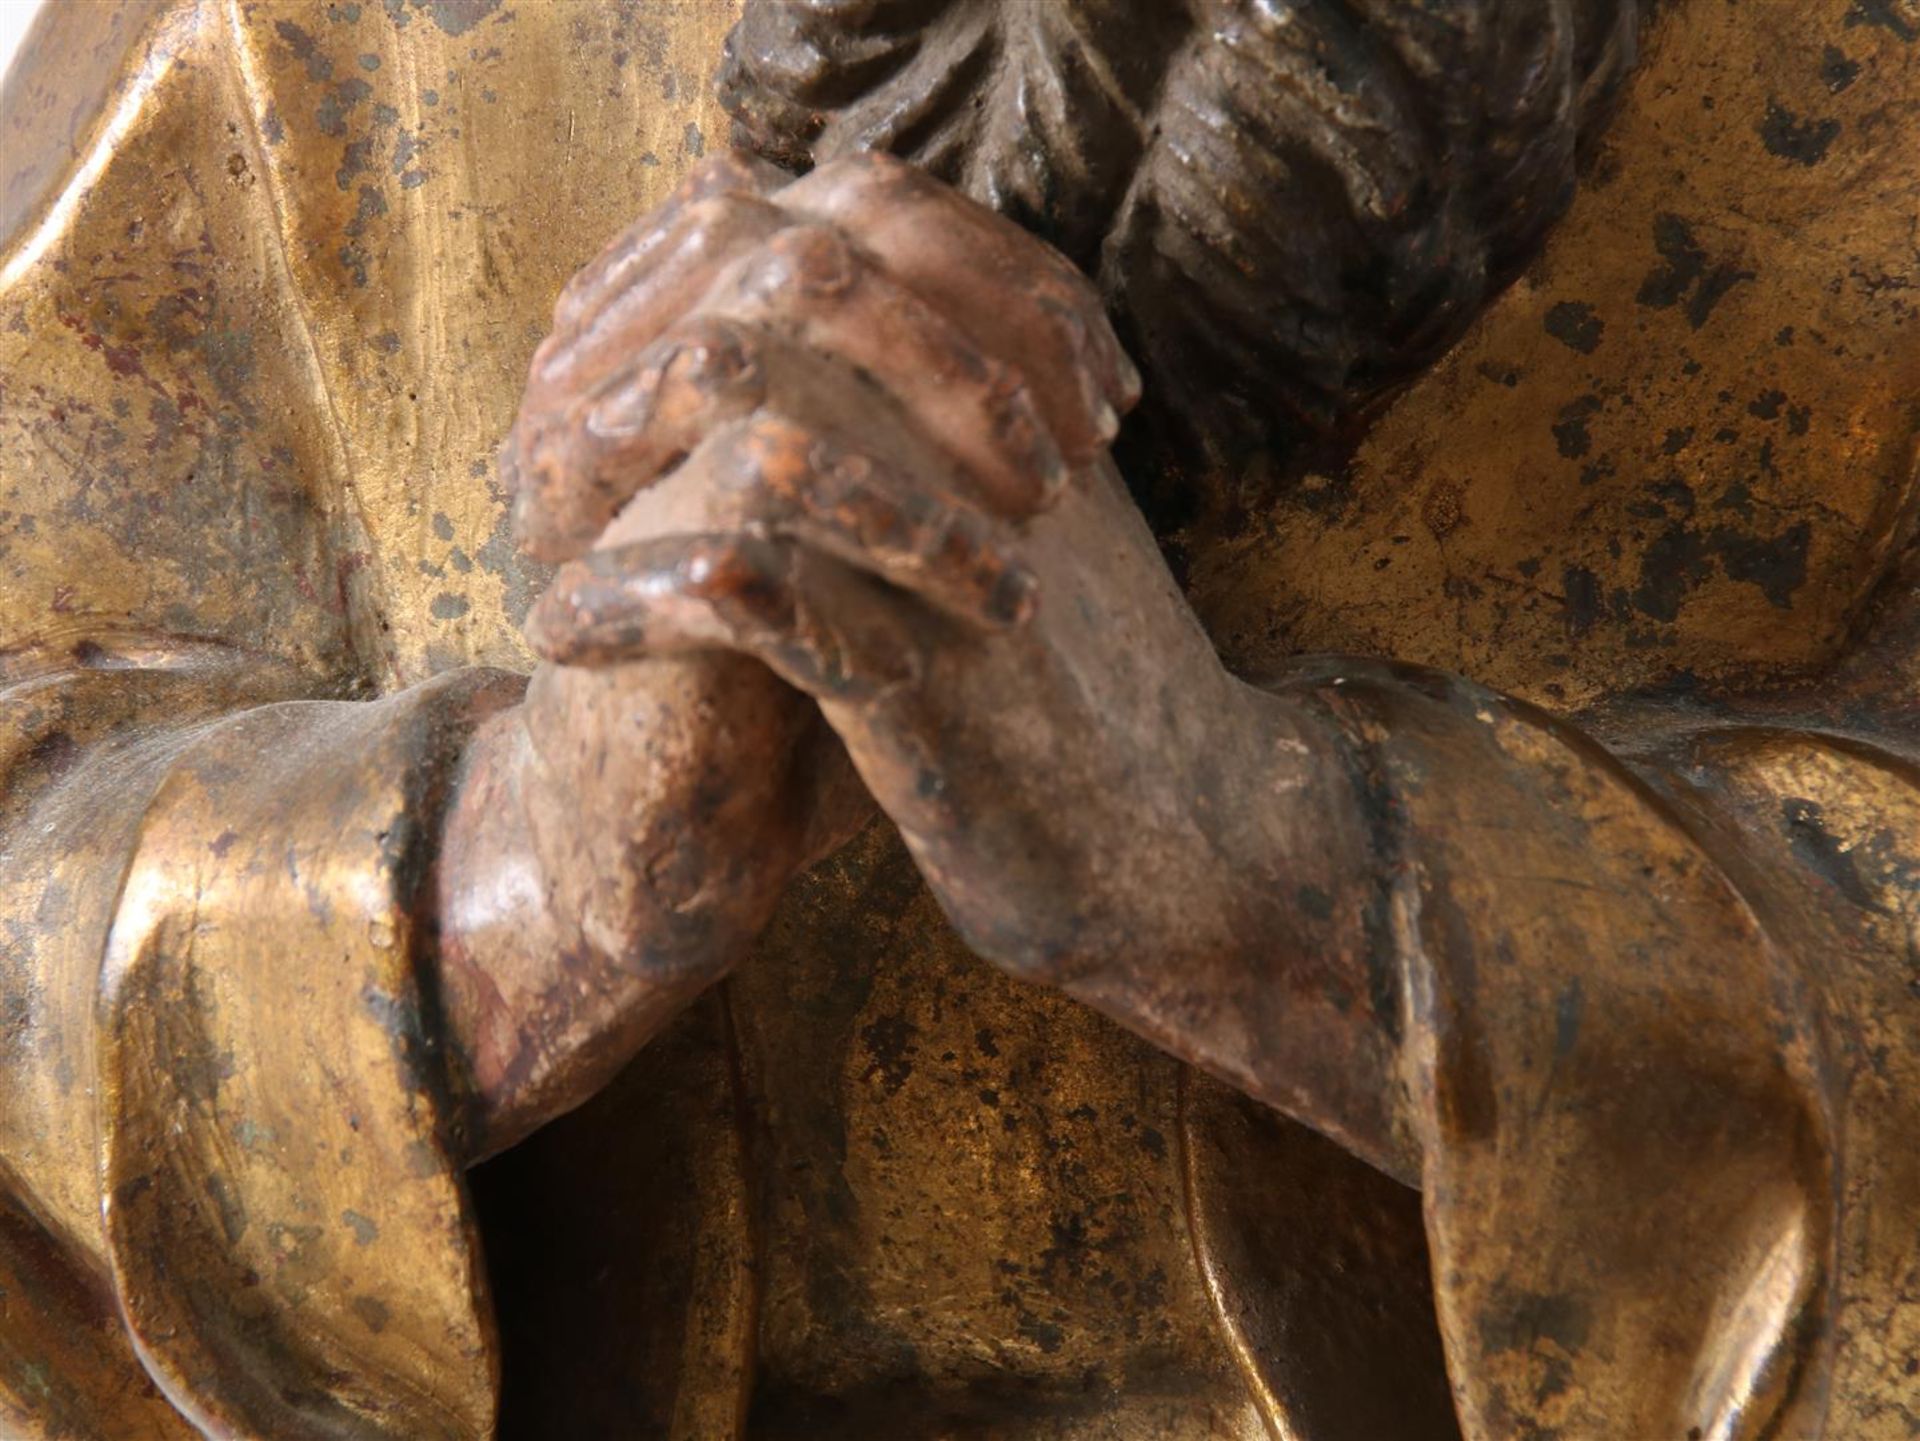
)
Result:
{"points": [[1398, 844], [1265, 954]]}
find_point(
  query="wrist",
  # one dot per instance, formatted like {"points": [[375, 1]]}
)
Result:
{"points": [[661, 803], [613, 844], [1265, 955]]}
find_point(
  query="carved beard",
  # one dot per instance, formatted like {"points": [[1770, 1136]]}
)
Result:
{"points": [[1290, 205]]}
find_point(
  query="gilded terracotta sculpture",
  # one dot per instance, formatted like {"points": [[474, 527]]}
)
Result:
{"points": [[1147, 720]]}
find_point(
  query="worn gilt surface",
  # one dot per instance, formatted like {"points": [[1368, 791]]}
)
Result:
{"points": [[649, 789]]}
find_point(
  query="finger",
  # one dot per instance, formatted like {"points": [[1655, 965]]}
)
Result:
{"points": [[679, 267], [729, 172], [801, 614], [577, 469], [1012, 294], [662, 595], [855, 507], [809, 286], [869, 506]]}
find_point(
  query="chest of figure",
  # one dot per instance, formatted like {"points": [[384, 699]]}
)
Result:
{"points": [[979, 1209], [1682, 444], [970, 1194]]}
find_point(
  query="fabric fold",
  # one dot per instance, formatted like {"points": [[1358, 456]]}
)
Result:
{"points": [[287, 1229], [1632, 1166]]}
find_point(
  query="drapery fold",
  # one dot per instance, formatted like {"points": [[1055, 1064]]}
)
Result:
{"points": [[286, 1223], [228, 1127], [1648, 1136]]}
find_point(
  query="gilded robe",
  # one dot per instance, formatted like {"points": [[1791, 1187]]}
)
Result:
{"points": [[272, 275]]}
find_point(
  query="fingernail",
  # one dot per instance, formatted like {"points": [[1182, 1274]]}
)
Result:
{"points": [[1014, 597], [1022, 432], [815, 261], [629, 409]]}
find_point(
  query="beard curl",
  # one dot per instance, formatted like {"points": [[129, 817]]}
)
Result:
{"points": [[1291, 206]]}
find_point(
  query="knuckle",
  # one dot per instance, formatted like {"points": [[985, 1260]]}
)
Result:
{"points": [[557, 353], [708, 370], [538, 463], [855, 502], [809, 262], [1012, 596], [546, 353], [539, 528], [1066, 318], [721, 568], [842, 467], [1081, 358], [710, 210], [623, 408], [742, 579], [1072, 309], [869, 164], [572, 303], [879, 180], [1018, 430], [718, 173], [558, 495], [713, 221], [817, 259], [894, 179], [777, 454], [717, 356]]}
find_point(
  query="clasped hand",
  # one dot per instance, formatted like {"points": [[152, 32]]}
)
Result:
{"points": [[854, 426]]}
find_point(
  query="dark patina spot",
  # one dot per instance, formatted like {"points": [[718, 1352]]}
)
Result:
{"points": [[1804, 142], [1673, 564], [331, 114], [1573, 324], [1566, 1017], [304, 49], [889, 1046], [1583, 599], [1687, 274], [1570, 436], [1315, 902], [1777, 564], [372, 1311], [454, 17], [1837, 70], [1883, 15], [1519, 1320]]}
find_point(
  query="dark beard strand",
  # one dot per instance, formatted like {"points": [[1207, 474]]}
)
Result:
{"points": [[1292, 206]]}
